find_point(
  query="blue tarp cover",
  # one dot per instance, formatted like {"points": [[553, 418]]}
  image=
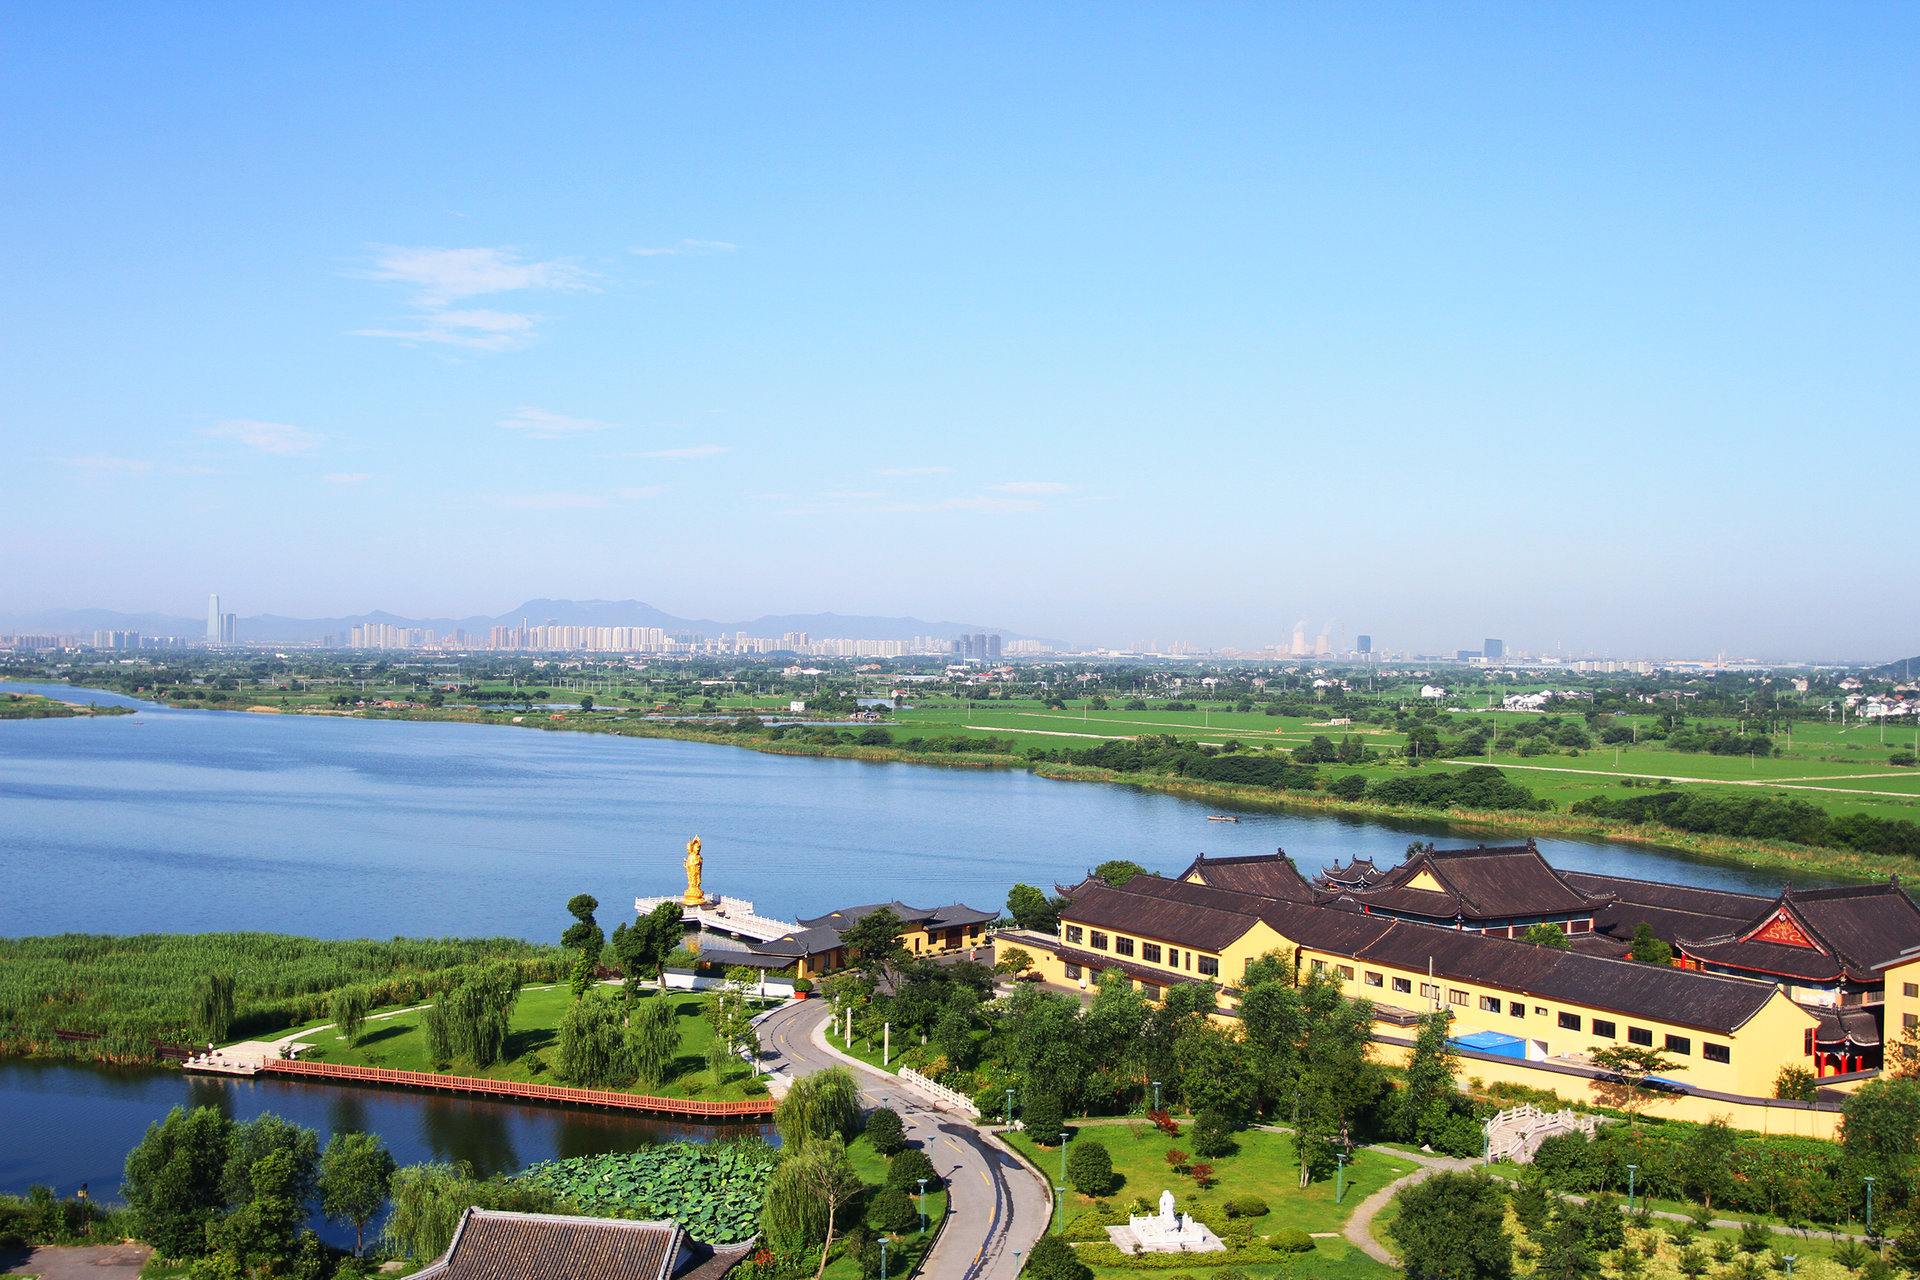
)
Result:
{"points": [[1493, 1042]]}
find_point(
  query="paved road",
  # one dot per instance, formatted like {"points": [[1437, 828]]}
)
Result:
{"points": [[996, 1205], [76, 1262]]}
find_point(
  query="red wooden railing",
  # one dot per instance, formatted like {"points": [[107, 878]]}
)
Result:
{"points": [[749, 1109]]}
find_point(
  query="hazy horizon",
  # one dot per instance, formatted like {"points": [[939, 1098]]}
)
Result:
{"points": [[1565, 326]]}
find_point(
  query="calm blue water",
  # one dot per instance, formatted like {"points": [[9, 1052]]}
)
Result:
{"points": [[197, 820], [64, 1124]]}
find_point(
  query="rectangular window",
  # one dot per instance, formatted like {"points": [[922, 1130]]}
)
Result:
{"points": [[1640, 1036], [1911, 990], [1601, 1027], [1571, 1021], [1489, 1004], [1403, 985], [1073, 973], [1808, 1042], [1429, 992], [1518, 1008], [1123, 946], [1150, 991], [1099, 940], [1316, 967], [1075, 934], [1374, 979], [1209, 967], [1715, 1052], [1910, 1021], [1679, 1044], [1346, 972], [1173, 957], [1456, 996], [1150, 952]]}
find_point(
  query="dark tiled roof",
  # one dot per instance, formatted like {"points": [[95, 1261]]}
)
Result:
{"points": [[1494, 883], [1709, 1002], [1360, 871], [1179, 911], [1176, 911], [1097, 962], [1270, 875], [493, 1245], [946, 917], [750, 959], [803, 942], [1678, 898], [1855, 931]]}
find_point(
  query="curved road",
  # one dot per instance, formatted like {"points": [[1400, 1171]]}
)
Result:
{"points": [[996, 1205]]}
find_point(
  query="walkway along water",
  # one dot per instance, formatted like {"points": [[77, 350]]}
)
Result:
{"points": [[696, 1108]]}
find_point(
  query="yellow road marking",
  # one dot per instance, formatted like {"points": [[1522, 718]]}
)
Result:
{"points": [[984, 1178]]}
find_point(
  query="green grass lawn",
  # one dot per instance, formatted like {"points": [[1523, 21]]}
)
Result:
{"points": [[909, 1248], [1264, 1166], [397, 1043]]}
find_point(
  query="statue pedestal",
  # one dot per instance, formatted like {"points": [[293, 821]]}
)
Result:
{"points": [[1165, 1232]]}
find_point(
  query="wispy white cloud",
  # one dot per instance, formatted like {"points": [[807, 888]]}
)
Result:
{"points": [[896, 472], [345, 477], [539, 424], [689, 246], [880, 504], [268, 437], [562, 501], [478, 330], [439, 276], [686, 454], [1036, 488], [103, 465]]}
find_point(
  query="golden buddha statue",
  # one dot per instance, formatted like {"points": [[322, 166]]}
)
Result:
{"points": [[695, 895]]}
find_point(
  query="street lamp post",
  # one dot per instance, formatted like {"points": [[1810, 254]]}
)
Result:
{"points": [[1156, 1095], [1340, 1177], [883, 1258], [1789, 1259], [1060, 1209], [1009, 1109], [1633, 1172], [1870, 1181], [1063, 1155], [923, 1206]]}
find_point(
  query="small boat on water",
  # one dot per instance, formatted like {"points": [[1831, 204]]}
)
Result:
{"points": [[1221, 817]]}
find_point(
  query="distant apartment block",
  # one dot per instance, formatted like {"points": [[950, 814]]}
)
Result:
{"points": [[116, 639], [1493, 648]]}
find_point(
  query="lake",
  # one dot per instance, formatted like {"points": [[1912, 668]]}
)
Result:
{"points": [[174, 820]]}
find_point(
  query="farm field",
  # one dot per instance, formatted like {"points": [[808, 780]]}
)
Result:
{"points": [[395, 1041]]}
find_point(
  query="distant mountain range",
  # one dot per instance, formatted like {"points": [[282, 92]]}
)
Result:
{"points": [[1904, 669], [272, 628]]}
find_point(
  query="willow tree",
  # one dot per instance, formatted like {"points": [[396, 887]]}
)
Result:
{"points": [[653, 1037], [807, 1191], [349, 1008], [823, 1105], [474, 1019], [213, 1005], [591, 1048]]}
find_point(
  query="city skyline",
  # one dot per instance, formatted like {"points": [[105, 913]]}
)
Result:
{"points": [[1575, 326]]}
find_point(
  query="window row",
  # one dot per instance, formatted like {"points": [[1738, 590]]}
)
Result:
{"points": [[1150, 952], [1604, 1027]]}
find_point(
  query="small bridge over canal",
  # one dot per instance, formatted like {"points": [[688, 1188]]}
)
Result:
{"points": [[730, 917]]}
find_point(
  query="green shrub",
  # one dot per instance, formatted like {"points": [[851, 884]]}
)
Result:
{"points": [[1090, 1169], [1290, 1240], [893, 1210], [1212, 1136], [886, 1132], [1247, 1207], [910, 1165]]}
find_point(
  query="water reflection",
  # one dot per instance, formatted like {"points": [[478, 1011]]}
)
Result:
{"points": [[68, 1123]]}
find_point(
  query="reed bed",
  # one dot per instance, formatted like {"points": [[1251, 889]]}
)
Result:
{"points": [[141, 988]]}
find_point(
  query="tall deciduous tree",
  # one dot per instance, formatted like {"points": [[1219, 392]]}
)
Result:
{"points": [[653, 1037], [349, 1009], [213, 1005], [1881, 1131], [591, 1046], [1452, 1227], [354, 1173], [173, 1179]]}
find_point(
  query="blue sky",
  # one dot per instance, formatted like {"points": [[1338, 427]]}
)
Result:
{"points": [[1582, 325]]}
